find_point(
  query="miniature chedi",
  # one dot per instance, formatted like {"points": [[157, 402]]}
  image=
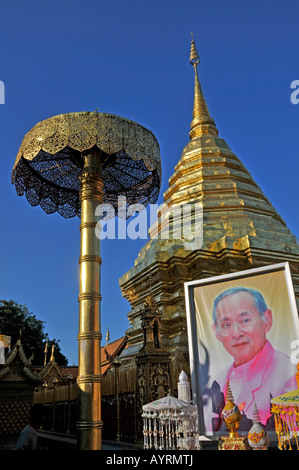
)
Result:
{"points": [[257, 436], [232, 417], [231, 413]]}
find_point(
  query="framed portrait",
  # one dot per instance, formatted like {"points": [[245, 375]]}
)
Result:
{"points": [[243, 330]]}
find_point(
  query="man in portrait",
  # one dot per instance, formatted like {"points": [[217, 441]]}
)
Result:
{"points": [[258, 372]]}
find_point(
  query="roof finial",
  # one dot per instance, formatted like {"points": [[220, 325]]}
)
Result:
{"points": [[45, 353], [202, 122], [52, 358], [108, 335]]}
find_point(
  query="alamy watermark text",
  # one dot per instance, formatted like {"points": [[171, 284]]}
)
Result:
{"points": [[295, 94], [2, 92], [183, 222]]}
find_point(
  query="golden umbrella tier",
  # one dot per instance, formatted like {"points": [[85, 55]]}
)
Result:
{"points": [[50, 161]]}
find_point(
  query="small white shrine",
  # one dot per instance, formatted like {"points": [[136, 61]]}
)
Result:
{"points": [[5, 342], [171, 423]]}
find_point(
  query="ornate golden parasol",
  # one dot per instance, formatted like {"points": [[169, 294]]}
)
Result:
{"points": [[70, 164]]}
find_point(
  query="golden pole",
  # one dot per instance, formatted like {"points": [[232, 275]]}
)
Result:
{"points": [[89, 337]]}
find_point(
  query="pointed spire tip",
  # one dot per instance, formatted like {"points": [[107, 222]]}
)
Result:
{"points": [[202, 122], [194, 57]]}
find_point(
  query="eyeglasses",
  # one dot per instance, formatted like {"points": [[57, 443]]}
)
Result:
{"points": [[245, 323]]}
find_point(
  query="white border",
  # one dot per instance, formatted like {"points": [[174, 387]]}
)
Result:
{"points": [[191, 321]]}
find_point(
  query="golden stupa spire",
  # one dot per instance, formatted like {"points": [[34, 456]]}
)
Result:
{"points": [[202, 122]]}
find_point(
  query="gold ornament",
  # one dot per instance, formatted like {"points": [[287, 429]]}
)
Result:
{"points": [[231, 413], [232, 417]]}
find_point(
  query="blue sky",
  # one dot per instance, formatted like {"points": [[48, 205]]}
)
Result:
{"points": [[131, 58]]}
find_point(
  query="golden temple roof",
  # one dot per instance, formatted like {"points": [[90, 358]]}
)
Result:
{"points": [[110, 351]]}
